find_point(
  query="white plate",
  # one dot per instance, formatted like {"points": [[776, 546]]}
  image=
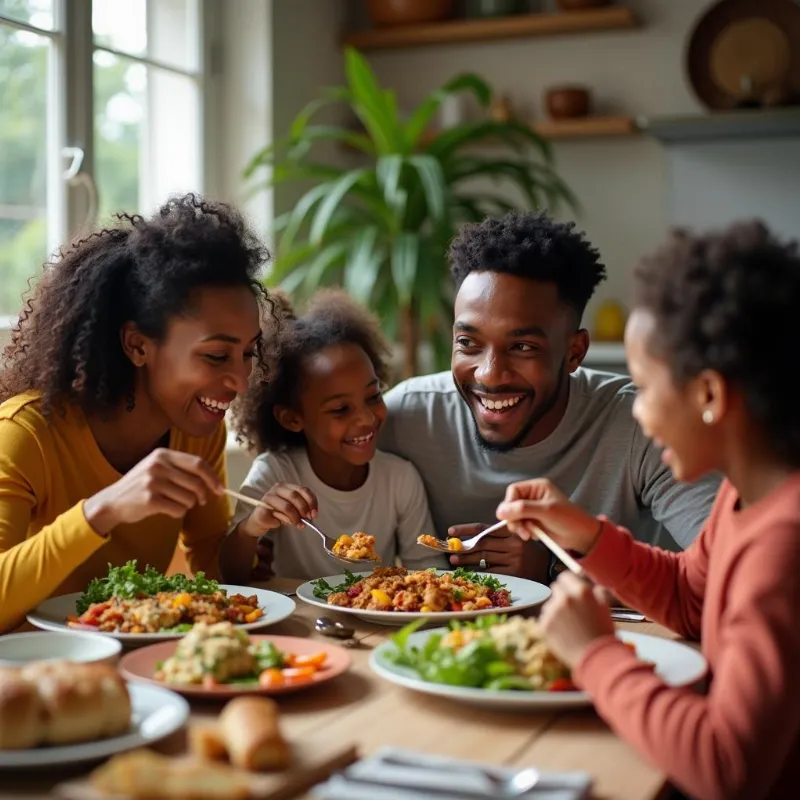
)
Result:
{"points": [[524, 594], [676, 664], [51, 615], [156, 713]]}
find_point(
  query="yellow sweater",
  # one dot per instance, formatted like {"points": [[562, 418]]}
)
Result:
{"points": [[47, 469]]}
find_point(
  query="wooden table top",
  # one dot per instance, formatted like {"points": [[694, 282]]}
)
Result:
{"points": [[362, 708]]}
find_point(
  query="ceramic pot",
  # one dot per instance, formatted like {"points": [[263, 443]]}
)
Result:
{"points": [[568, 102], [388, 13]]}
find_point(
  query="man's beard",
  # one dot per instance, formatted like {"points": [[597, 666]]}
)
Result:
{"points": [[538, 414]]}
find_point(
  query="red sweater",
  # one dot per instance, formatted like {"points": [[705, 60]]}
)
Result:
{"points": [[737, 587]]}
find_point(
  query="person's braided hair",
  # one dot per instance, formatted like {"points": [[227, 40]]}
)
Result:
{"points": [[66, 344]]}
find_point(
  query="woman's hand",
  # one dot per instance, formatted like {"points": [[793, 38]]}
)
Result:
{"points": [[538, 502], [166, 482], [575, 616], [288, 505]]}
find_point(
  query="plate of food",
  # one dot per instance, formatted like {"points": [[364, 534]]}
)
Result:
{"points": [[222, 660], [139, 607], [395, 595], [104, 715], [505, 663]]}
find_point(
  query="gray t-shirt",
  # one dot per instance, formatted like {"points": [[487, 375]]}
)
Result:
{"points": [[597, 455], [391, 505]]}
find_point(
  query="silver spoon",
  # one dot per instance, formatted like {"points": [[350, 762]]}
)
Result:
{"points": [[328, 627], [327, 541], [467, 544]]}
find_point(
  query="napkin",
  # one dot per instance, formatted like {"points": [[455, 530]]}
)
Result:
{"points": [[397, 774]]}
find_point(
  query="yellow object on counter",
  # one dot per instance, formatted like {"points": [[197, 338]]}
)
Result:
{"points": [[609, 322]]}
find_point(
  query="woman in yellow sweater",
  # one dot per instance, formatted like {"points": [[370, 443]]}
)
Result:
{"points": [[112, 398]]}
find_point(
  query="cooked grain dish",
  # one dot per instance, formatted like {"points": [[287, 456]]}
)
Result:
{"points": [[453, 544], [220, 652], [398, 589], [167, 610], [359, 545]]}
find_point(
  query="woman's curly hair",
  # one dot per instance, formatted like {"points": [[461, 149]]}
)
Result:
{"points": [[332, 317], [726, 301], [67, 342]]}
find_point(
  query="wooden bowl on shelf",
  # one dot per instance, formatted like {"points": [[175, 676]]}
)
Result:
{"points": [[568, 102], [391, 13], [581, 5]]}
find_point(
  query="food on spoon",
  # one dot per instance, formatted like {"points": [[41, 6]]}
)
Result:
{"points": [[359, 545], [426, 591], [250, 729], [61, 703], [210, 655], [129, 601]]}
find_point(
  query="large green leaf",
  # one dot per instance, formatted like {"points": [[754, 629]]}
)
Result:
{"points": [[433, 183], [405, 251], [512, 133], [372, 104], [420, 120], [336, 191], [330, 95], [329, 257], [298, 214], [388, 170], [364, 265]]}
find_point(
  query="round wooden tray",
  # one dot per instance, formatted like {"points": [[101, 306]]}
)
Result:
{"points": [[745, 50]]}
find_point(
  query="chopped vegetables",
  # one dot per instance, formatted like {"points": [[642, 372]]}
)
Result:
{"points": [[127, 583]]}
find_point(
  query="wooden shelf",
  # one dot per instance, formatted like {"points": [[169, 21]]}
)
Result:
{"points": [[719, 125], [586, 127], [610, 18]]}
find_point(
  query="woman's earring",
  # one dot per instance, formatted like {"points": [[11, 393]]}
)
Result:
{"points": [[708, 417]]}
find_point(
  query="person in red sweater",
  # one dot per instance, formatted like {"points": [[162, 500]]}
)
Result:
{"points": [[710, 344]]}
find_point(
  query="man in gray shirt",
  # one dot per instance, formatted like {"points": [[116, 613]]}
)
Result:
{"points": [[519, 405]]}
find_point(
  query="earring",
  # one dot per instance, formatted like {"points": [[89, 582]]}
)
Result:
{"points": [[708, 417]]}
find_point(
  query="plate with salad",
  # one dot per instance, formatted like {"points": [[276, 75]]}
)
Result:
{"points": [[395, 595], [141, 606], [222, 660], [505, 663]]}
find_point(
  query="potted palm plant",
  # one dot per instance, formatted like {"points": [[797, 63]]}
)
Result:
{"points": [[380, 228]]}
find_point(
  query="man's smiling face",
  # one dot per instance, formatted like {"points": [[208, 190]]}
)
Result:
{"points": [[514, 343]]}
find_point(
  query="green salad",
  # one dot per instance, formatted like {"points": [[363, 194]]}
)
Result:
{"points": [[490, 652], [128, 583]]}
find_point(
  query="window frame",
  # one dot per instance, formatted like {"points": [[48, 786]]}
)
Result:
{"points": [[70, 109]]}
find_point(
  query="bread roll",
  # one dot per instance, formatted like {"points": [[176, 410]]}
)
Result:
{"points": [[145, 775], [79, 702], [205, 741], [20, 712], [252, 736]]}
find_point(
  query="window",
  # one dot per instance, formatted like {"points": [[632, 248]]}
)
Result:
{"points": [[131, 75]]}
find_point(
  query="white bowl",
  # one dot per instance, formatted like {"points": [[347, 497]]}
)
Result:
{"points": [[18, 649]]}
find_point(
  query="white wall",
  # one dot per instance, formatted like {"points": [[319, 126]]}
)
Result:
{"points": [[622, 182]]}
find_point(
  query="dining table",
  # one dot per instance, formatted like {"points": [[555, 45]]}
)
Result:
{"points": [[362, 708]]}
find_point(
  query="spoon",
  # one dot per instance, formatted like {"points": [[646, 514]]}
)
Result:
{"points": [[328, 627], [467, 544], [327, 541]]}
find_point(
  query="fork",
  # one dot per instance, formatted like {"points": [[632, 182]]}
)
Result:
{"points": [[327, 541], [467, 544]]}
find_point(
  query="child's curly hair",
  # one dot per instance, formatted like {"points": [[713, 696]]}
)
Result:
{"points": [[726, 301], [332, 317], [66, 343]]}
